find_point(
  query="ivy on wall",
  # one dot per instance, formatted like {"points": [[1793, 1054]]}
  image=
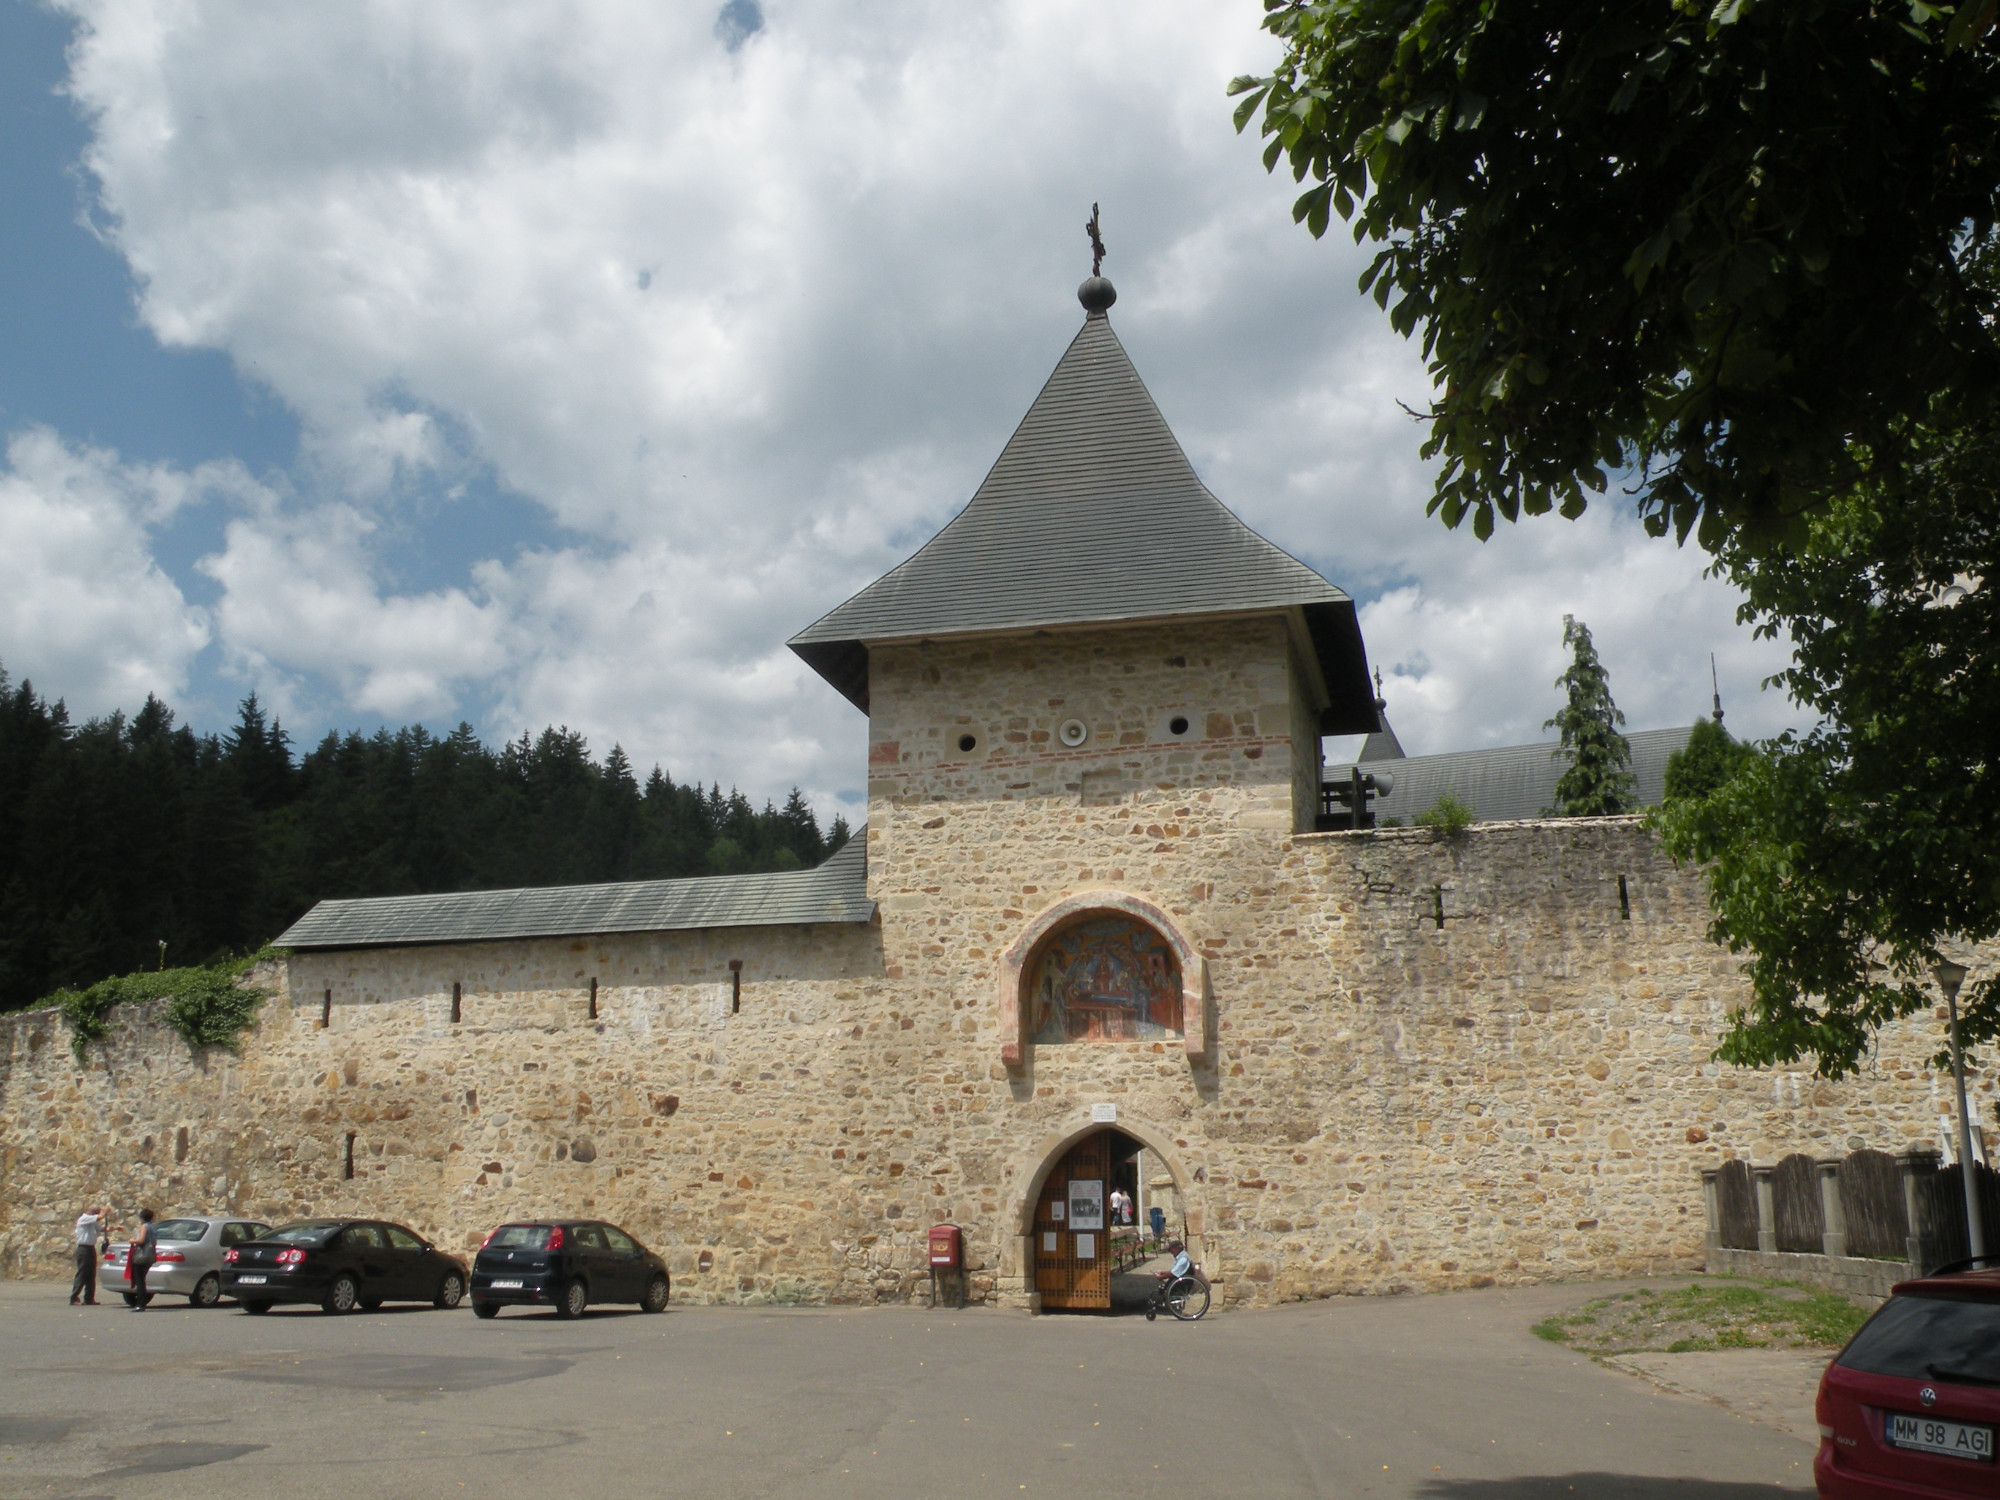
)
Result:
{"points": [[207, 1006]]}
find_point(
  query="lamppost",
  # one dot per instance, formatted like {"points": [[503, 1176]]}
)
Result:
{"points": [[1949, 977]]}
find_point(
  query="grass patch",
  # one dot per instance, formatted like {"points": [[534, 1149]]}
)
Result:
{"points": [[1708, 1315]]}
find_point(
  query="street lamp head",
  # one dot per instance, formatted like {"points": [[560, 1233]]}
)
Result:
{"points": [[1949, 976]]}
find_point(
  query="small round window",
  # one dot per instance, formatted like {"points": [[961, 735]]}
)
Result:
{"points": [[968, 742], [1178, 724]]}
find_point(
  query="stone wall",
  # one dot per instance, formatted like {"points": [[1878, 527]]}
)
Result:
{"points": [[1437, 1063]]}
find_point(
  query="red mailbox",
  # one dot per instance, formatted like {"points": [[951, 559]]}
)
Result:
{"points": [[945, 1247]]}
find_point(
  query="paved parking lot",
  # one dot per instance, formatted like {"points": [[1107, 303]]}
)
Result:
{"points": [[1444, 1398]]}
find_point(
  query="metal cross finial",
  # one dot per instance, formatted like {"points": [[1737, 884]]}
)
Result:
{"points": [[1096, 243]]}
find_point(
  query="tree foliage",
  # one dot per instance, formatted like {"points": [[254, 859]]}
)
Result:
{"points": [[1744, 251], [1707, 761], [1597, 782], [1847, 859], [120, 833], [1725, 243]]}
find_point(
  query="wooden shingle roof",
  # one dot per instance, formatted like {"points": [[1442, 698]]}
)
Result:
{"points": [[835, 891], [1092, 514]]}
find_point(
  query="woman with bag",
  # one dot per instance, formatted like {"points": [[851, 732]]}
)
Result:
{"points": [[140, 1261]]}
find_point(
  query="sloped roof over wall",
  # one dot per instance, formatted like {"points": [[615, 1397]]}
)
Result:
{"points": [[1093, 514], [1510, 782], [836, 891]]}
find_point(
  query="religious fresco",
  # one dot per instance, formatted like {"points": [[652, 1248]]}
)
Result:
{"points": [[1106, 979]]}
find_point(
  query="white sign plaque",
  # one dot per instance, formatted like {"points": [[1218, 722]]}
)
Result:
{"points": [[1104, 1114], [1086, 1205], [1056, 1210], [1086, 1247], [1049, 1241]]}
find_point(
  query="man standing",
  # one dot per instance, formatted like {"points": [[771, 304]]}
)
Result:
{"points": [[89, 1230]]}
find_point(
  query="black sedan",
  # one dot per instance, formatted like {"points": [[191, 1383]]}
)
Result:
{"points": [[341, 1264], [566, 1264]]}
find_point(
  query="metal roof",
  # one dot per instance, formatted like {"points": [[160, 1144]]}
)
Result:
{"points": [[1092, 513], [835, 891], [1510, 782]]}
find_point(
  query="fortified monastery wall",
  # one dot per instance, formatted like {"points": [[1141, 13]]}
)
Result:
{"points": [[1520, 1093], [1359, 1061]]}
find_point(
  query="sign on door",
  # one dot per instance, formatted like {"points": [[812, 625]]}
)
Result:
{"points": [[1086, 1206]]}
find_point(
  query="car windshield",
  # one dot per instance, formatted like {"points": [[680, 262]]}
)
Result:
{"points": [[312, 1233], [1930, 1337], [180, 1229], [520, 1237]]}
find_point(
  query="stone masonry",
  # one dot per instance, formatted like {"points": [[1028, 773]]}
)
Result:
{"points": [[1408, 1061]]}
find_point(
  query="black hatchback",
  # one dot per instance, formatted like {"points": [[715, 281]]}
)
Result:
{"points": [[566, 1264], [341, 1264]]}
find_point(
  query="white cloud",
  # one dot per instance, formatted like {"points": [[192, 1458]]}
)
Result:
{"points": [[751, 323], [1477, 647], [298, 597], [85, 612]]}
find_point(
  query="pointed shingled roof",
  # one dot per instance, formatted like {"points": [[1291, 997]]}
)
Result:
{"points": [[1092, 513]]}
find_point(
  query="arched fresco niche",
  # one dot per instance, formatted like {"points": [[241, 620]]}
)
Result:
{"points": [[1106, 978]]}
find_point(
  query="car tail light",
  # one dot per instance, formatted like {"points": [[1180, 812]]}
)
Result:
{"points": [[489, 1238], [555, 1238], [291, 1257], [170, 1257], [231, 1257]]}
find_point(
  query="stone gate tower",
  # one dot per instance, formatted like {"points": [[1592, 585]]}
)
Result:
{"points": [[1092, 694]]}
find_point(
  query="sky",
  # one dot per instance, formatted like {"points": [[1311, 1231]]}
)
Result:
{"points": [[541, 362]]}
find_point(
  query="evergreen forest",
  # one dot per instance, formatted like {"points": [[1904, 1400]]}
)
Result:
{"points": [[118, 835]]}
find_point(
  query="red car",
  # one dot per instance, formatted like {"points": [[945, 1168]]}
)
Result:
{"points": [[1910, 1408]]}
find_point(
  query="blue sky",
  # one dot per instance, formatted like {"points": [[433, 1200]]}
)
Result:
{"points": [[528, 365]]}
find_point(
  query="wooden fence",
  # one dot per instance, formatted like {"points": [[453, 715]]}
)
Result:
{"points": [[1866, 1205]]}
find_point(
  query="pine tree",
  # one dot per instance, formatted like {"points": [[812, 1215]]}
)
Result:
{"points": [[1598, 782], [115, 836]]}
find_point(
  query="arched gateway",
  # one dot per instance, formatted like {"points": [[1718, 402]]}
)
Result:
{"points": [[1072, 1241]]}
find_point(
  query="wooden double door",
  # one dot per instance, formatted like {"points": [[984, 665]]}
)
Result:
{"points": [[1073, 1222]]}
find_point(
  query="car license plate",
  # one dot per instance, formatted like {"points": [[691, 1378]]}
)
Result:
{"points": [[506, 1286], [1933, 1435], [249, 1281]]}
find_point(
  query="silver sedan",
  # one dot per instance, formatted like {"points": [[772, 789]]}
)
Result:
{"points": [[187, 1257]]}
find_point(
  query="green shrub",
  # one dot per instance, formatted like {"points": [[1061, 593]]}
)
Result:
{"points": [[1448, 817], [205, 1005]]}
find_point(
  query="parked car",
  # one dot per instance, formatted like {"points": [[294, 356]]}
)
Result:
{"points": [[341, 1264], [1911, 1405], [189, 1262], [566, 1264]]}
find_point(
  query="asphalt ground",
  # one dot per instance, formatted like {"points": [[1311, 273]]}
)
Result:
{"points": [[1441, 1397]]}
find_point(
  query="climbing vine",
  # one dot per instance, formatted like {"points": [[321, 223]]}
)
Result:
{"points": [[207, 1006]]}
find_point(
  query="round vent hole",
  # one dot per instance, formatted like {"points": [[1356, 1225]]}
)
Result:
{"points": [[1178, 725], [1072, 732], [968, 742]]}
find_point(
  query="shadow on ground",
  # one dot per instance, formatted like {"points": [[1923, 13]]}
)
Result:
{"points": [[1599, 1487]]}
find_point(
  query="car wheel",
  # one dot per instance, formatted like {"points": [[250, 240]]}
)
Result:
{"points": [[342, 1296], [450, 1291], [255, 1308], [207, 1291], [131, 1298], [574, 1299], [656, 1296], [486, 1309]]}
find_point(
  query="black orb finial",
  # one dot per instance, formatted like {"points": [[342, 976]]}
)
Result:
{"points": [[1096, 294]]}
